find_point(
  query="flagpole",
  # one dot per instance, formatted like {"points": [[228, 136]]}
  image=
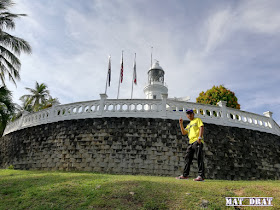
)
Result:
{"points": [[151, 56], [133, 75], [106, 84], [120, 76], [109, 68]]}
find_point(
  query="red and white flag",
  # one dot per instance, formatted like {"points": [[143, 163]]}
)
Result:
{"points": [[134, 79]]}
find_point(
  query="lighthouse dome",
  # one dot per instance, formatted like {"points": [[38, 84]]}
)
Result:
{"points": [[156, 66]]}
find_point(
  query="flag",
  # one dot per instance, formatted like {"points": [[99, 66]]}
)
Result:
{"points": [[108, 80], [134, 71], [134, 79], [121, 74], [109, 71]]}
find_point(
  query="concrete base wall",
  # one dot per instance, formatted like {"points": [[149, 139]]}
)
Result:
{"points": [[140, 146]]}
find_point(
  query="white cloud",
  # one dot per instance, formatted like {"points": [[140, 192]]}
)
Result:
{"points": [[198, 45], [260, 16], [218, 26]]}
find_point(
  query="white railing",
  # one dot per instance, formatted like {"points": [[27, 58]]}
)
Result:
{"points": [[147, 108]]}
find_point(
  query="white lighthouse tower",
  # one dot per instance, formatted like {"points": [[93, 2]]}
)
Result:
{"points": [[155, 86]]}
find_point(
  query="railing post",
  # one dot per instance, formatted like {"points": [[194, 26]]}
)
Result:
{"points": [[52, 112], [274, 126], [270, 120], [268, 114], [103, 97], [163, 109], [223, 105]]}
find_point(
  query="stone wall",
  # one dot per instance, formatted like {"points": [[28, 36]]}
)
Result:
{"points": [[140, 146]]}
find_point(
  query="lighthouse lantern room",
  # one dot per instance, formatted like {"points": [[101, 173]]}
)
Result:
{"points": [[156, 85]]}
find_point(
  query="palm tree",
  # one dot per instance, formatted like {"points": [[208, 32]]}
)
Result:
{"points": [[39, 98], [10, 46], [7, 108], [26, 106]]}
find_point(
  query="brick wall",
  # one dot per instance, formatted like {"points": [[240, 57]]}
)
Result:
{"points": [[140, 146]]}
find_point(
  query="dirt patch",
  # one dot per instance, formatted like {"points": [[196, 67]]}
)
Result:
{"points": [[239, 192]]}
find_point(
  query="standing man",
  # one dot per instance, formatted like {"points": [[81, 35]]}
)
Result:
{"points": [[195, 133]]}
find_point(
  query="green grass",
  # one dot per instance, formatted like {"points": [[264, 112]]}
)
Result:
{"points": [[83, 190]]}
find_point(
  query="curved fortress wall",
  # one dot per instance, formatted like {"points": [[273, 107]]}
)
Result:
{"points": [[140, 146]]}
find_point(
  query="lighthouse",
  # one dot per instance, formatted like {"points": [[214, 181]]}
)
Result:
{"points": [[156, 86]]}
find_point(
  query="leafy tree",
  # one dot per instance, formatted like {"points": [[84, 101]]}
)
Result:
{"points": [[39, 98], [10, 46], [216, 94], [7, 108], [49, 103]]}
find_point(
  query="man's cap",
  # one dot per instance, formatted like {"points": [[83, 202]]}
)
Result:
{"points": [[189, 111]]}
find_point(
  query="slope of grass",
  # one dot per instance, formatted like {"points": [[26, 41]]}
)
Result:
{"points": [[83, 190]]}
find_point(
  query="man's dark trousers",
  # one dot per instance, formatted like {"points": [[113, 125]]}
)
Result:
{"points": [[191, 150]]}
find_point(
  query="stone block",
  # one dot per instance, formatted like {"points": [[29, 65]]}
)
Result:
{"points": [[138, 160], [277, 166], [116, 160]]}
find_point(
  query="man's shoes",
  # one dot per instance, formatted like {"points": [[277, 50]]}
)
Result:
{"points": [[182, 177], [199, 179]]}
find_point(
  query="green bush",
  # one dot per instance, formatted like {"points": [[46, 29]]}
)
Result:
{"points": [[11, 167]]}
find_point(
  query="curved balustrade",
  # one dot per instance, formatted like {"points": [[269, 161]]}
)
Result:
{"points": [[78, 110], [245, 118], [13, 126], [146, 108], [132, 106], [36, 118], [206, 112]]}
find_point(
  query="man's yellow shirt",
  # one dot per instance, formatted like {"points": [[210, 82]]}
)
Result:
{"points": [[193, 130]]}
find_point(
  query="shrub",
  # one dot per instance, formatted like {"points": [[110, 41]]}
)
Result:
{"points": [[11, 167], [216, 94]]}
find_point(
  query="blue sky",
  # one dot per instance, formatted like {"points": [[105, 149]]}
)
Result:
{"points": [[198, 43]]}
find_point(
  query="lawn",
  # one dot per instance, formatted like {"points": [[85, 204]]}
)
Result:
{"points": [[84, 190]]}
